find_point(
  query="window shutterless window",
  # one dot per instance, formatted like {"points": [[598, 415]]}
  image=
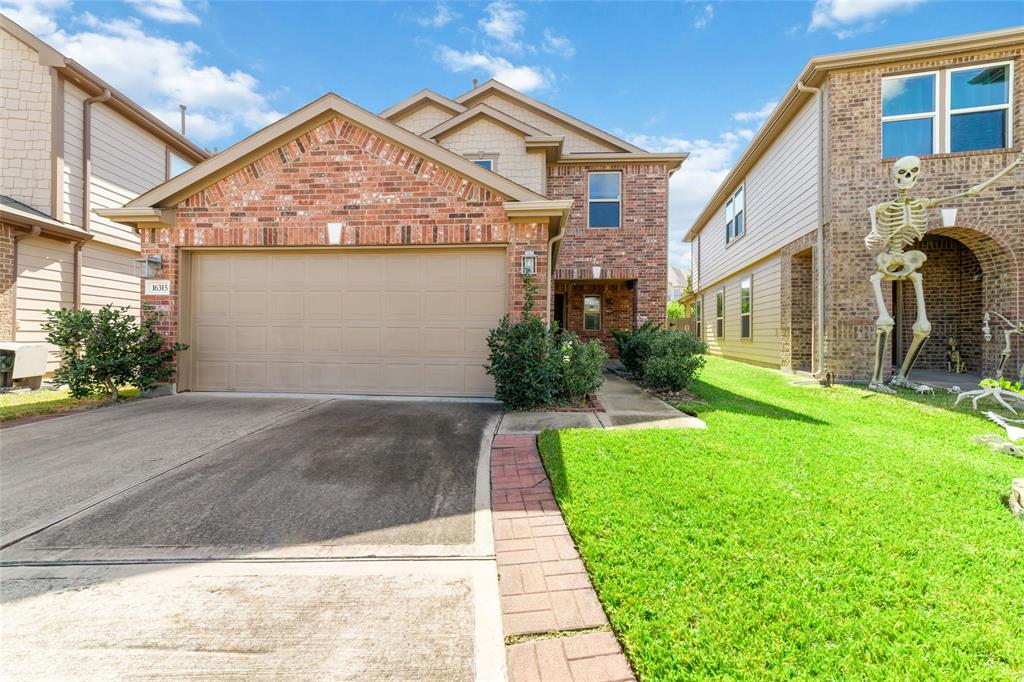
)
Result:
{"points": [[604, 199], [178, 165], [720, 313], [978, 107], [592, 313], [909, 105], [698, 306], [735, 216], [485, 163], [745, 308]]}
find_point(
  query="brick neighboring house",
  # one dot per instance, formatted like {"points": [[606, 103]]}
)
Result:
{"points": [[780, 266], [341, 251], [69, 143]]}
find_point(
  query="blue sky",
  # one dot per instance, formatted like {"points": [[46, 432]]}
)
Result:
{"points": [[670, 76]]}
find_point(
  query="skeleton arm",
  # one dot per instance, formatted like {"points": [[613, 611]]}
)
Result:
{"points": [[978, 189], [874, 239]]}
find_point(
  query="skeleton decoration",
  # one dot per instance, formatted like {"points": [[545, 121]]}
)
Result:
{"points": [[896, 225], [993, 389], [954, 361]]}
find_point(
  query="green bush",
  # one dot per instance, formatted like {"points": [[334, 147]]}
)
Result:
{"points": [[635, 346], [107, 348], [581, 364], [675, 360], [534, 366], [675, 310]]}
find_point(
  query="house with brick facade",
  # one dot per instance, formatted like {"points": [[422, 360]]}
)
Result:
{"points": [[341, 251], [780, 268], [69, 144]]}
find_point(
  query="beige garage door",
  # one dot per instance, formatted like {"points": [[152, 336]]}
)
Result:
{"points": [[399, 322]]}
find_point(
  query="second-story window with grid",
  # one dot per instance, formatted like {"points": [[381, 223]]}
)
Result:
{"points": [[979, 108], [909, 125], [735, 216], [604, 199]]}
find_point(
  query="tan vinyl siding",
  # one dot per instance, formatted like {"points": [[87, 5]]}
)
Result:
{"points": [[72, 180], [574, 141], [107, 278], [424, 118], [780, 197], [484, 136], [763, 345], [126, 162], [44, 281]]}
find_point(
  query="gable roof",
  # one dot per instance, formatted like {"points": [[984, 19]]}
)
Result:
{"points": [[94, 85], [421, 98], [330, 105], [814, 74], [483, 110], [493, 86]]}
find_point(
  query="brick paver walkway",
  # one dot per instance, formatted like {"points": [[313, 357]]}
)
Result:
{"points": [[546, 594]]}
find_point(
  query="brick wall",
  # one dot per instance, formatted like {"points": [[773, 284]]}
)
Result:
{"points": [[616, 309], [637, 250], [25, 120], [991, 225], [798, 310], [7, 279], [383, 194]]}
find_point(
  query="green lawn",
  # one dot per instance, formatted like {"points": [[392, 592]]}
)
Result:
{"points": [[808, 532], [44, 401]]}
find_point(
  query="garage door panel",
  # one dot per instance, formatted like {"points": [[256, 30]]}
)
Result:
{"points": [[411, 322]]}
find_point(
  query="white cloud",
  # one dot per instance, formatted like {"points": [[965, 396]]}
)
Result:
{"points": [[705, 16], [504, 23], [555, 44], [169, 11], [522, 78], [756, 116], [158, 73], [35, 16], [849, 17], [442, 16]]}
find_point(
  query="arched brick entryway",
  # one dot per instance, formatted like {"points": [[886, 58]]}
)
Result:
{"points": [[969, 271]]}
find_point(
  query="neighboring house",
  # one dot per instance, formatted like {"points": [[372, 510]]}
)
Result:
{"points": [[341, 251], [677, 280], [69, 144], [802, 190]]}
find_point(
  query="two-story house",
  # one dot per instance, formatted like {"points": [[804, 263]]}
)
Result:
{"points": [[341, 251], [781, 270], [69, 144]]}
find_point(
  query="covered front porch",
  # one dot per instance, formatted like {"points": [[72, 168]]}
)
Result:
{"points": [[593, 306]]}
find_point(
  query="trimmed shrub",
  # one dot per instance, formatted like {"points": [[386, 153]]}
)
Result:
{"points": [[675, 360], [635, 346], [105, 349], [581, 364]]}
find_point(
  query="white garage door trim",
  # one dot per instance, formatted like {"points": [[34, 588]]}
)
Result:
{"points": [[373, 321]]}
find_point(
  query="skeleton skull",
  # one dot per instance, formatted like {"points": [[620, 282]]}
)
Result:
{"points": [[905, 170]]}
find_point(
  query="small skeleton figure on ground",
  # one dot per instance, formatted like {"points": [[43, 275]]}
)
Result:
{"points": [[921, 388], [954, 362], [997, 444], [896, 225], [953, 389], [994, 390]]}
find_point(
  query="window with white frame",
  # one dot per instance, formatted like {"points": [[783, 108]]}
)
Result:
{"points": [[909, 106], [735, 216], [592, 313], [745, 308], [176, 165], [979, 107], [485, 163], [961, 109], [720, 314], [698, 309], [604, 199]]}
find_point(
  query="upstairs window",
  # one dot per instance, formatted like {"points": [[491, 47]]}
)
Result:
{"points": [[604, 199], [485, 163], [909, 105], [745, 308], [735, 216], [720, 314], [979, 108], [177, 166], [592, 313]]}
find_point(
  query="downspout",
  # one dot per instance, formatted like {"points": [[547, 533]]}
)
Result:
{"points": [[551, 270], [86, 187], [820, 246], [35, 231]]}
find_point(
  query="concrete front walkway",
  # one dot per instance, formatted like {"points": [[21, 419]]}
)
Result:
{"points": [[626, 406]]}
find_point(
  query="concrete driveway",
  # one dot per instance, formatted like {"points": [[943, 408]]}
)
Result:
{"points": [[227, 537]]}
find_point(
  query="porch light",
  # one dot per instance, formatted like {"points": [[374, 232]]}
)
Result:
{"points": [[334, 233], [529, 263], [148, 267], [948, 217]]}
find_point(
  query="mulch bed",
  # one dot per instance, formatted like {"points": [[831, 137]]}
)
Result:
{"points": [[590, 404], [670, 397]]}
